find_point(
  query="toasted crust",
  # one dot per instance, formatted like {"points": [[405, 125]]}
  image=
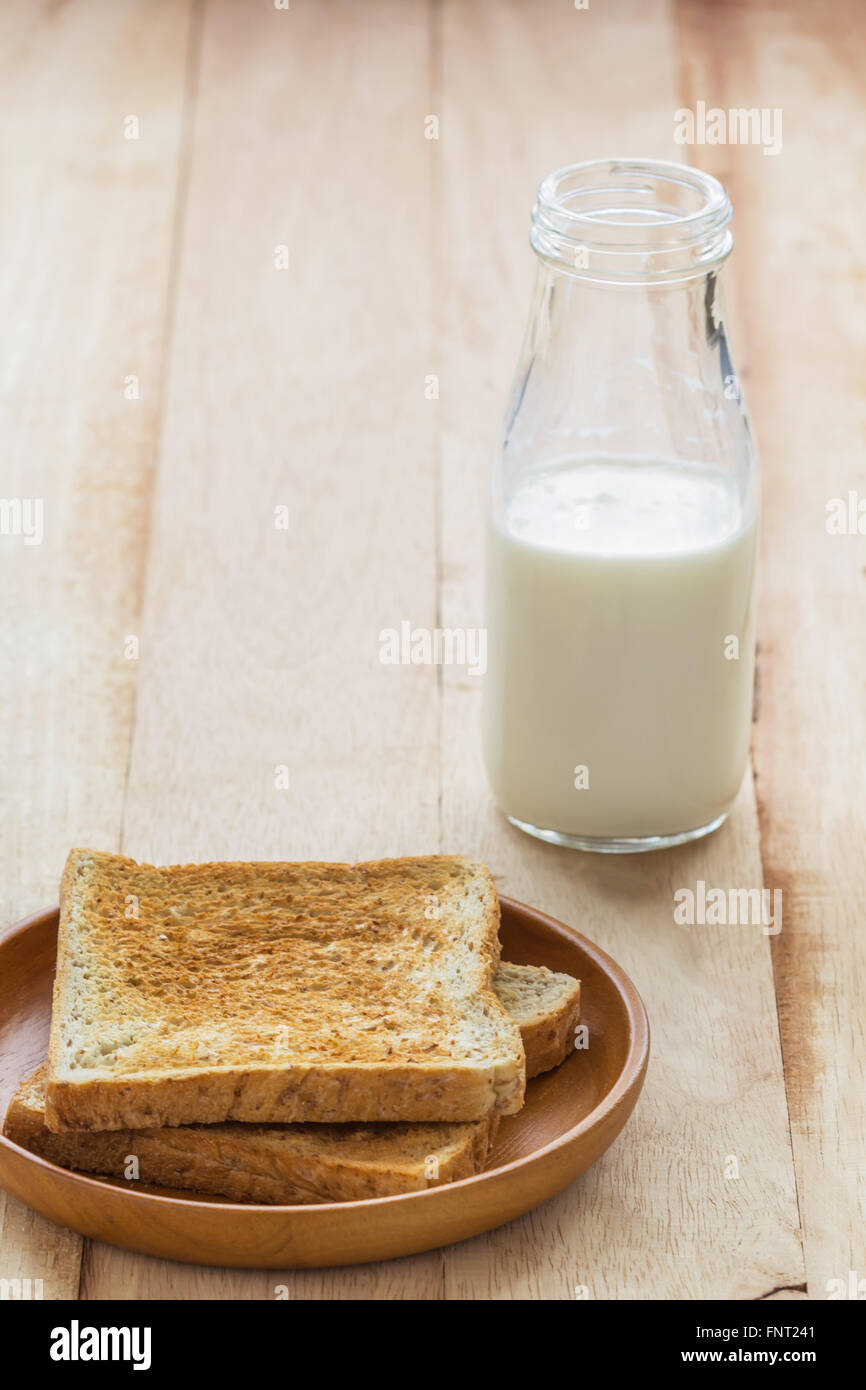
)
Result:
{"points": [[203, 1006], [281, 1164], [291, 1095]]}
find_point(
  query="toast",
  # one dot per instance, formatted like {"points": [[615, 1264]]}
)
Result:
{"points": [[278, 993], [290, 1164], [287, 1164], [545, 1005]]}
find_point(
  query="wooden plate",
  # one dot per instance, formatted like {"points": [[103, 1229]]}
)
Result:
{"points": [[571, 1116]]}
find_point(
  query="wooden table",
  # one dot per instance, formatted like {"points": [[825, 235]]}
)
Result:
{"points": [[167, 386]]}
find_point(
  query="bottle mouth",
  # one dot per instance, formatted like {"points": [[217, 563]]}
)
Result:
{"points": [[632, 221]]}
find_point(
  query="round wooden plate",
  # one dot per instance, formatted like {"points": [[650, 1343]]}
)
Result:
{"points": [[570, 1117]]}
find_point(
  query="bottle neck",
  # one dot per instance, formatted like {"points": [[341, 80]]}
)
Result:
{"points": [[632, 222], [626, 371]]}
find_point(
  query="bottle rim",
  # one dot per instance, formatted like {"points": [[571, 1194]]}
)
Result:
{"points": [[632, 220]]}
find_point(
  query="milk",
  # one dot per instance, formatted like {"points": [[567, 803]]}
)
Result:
{"points": [[620, 614]]}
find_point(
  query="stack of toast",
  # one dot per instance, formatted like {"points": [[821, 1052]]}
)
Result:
{"points": [[286, 1033]]}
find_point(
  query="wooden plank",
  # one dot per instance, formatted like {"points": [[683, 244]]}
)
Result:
{"points": [[527, 88], [85, 242], [302, 388], [799, 218]]}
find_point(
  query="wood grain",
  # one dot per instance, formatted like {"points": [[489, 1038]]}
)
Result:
{"points": [[85, 242], [801, 294], [305, 388]]}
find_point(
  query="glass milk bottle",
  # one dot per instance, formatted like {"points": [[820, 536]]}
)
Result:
{"points": [[623, 530]]}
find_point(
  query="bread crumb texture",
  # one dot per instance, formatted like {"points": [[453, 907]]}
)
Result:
{"points": [[207, 965]]}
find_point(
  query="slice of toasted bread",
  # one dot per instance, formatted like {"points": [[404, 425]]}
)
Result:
{"points": [[289, 1164], [546, 1006], [278, 993]]}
